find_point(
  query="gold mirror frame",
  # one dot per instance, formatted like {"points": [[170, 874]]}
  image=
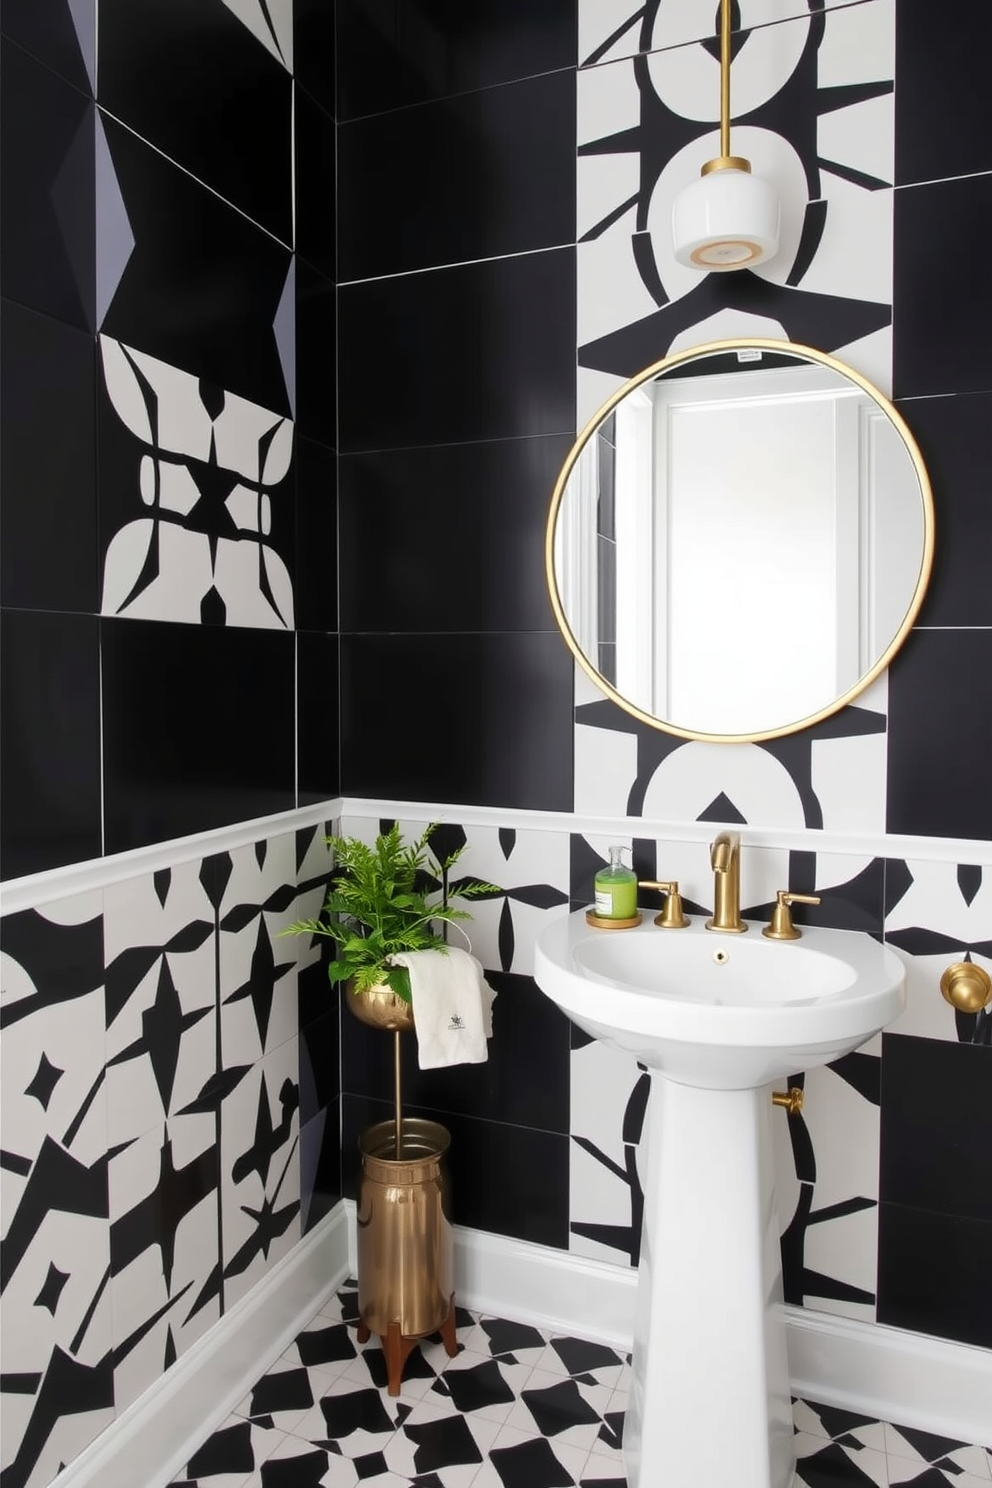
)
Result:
{"points": [[666, 364]]}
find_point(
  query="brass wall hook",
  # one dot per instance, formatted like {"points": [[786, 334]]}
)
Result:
{"points": [[966, 987], [673, 916], [791, 1099]]}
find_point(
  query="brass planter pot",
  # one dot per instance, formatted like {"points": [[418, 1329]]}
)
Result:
{"points": [[405, 1240], [379, 1007]]}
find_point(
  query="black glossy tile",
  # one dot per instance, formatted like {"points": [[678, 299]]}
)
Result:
{"points": [[940, 88], [320, 1164], [198, 728], [317, 537], [936, 1096], [57, 33], [193, 81], [391, 53], [480, 351], [47, 177], [940, 299], [313, 50], [316, 355], [449, 537], [933, 1274], [501, 179], [483, 720], [320, 1074], [939, 726], [48, 557], [510, 1180], [525, 1080], [202, 286], [953, 437], [50, 741], [319, 1000], [316, 192], [318, 729]]}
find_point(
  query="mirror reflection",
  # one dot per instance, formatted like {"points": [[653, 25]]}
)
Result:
{"points": [[738, 545]]}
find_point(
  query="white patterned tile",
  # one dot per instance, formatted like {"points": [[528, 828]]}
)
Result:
{"points": [[164, 408], [676, 24], [605, 770], [691, 778], [849, 773], [164, 1248], [944, 910], [258, 966], [260, 1169]]}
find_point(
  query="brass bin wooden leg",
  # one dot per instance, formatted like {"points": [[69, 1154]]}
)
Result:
{"points": [[405, 1242]]}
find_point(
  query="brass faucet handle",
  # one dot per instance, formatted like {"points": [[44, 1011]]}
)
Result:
{"points": [[672, 917], [781, 926]]}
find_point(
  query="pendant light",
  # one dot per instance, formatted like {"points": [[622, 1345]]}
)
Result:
{"points": [[728, 219]]}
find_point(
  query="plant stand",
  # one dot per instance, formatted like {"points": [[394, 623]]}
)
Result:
{"points": [[405, 1243]]}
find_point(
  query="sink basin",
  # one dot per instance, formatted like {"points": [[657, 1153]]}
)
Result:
{"points": [[716, 1018], [725, 1012]]}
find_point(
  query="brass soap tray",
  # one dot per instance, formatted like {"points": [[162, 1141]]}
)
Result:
{"points": [[598, 923]]}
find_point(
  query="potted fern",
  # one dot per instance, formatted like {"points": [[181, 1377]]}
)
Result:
{"points": [[380, 904]]}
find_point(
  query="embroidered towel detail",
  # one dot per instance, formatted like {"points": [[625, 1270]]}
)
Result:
{"points": [[452, 1006]]}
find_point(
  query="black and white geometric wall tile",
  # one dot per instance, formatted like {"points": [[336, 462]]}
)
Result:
{"points": [[56, 1337], [164, 1236], [829, 776], [195, 502], [260, 1170], [161, 948], [609, 1095], [530, 868], [257, 964], [814, 100], [937, 914], [150, 1098]]}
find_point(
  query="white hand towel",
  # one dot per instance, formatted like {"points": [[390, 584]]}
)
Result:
{"points": [[452, 1006]]}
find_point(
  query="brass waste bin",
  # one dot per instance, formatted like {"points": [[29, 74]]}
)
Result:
{"points": [[405, 1241]]}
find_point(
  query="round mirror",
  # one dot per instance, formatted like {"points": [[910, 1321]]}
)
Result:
{"points": [[740, 540]]}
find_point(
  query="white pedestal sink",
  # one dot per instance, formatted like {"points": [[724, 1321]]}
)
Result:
{"points": [[716, 1018]]}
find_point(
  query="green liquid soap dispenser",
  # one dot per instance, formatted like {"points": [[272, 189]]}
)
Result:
{"points": [[616, 889]]}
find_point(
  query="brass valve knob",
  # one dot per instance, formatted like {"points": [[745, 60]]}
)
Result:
{"points": [[673, 916], [781, 926], [966, 986], [791, 1099]]}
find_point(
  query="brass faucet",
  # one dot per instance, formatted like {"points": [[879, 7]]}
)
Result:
{"points": [[725, 860]]}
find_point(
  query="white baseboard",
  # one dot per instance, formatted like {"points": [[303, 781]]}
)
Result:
{"points": [[150, 1442], [895, 1376], [906, 1378]]}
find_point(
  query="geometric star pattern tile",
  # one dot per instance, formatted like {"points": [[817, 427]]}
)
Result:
{"points": [[517, 1407]]}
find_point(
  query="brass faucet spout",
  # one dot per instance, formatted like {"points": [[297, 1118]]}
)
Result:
{"points": [[725, 860]]}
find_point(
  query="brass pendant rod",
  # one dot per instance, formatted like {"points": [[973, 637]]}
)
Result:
{"points": [[724, 78], [397, 1095]]}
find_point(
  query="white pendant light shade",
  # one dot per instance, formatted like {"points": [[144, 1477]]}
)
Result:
{"points": [[728, 219]]}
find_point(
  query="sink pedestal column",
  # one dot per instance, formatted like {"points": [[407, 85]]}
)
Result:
{"points": [[710, 1401]]}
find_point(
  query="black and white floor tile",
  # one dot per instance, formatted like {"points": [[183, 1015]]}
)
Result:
{"points": [[516, 1408]]}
